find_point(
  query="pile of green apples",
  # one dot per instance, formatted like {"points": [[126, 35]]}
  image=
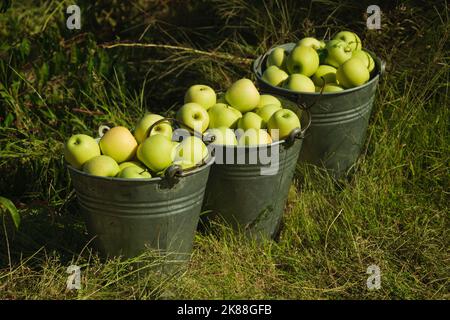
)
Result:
{"points": [[313, 65], [144, 154], [240, 117]]}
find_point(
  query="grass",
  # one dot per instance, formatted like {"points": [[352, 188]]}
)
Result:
{"points": [[393, 212]]}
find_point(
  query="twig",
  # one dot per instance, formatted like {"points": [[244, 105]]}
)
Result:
{"points": [[218, 55], [89, 112]]}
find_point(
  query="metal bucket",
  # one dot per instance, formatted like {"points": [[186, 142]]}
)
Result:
{"points": [[128, 216], [339, 119], [250, 195]]}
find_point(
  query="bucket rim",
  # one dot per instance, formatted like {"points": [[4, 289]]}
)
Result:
{"points": [[208, 162], [284, 92]]}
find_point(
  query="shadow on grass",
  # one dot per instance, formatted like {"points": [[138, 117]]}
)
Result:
{"points": [[43, 231]]}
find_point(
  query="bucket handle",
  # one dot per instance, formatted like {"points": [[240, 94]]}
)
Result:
{"points": [[102, 129], [382, 68], [298, 133]]}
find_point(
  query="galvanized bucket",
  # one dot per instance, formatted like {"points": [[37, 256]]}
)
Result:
{"points": [[339, 119], [250, 195], [127, 216]]}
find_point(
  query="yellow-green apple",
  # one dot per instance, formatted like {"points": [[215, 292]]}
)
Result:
{"points": [[119, 144], [142, 130], [277, 57], [351, 38], [134, 172], [330, 87], [127, 164], [267, 111], [184, 164], [352, 73], [156, 152], [79, 149], [324, 72], [282, 123], [103, 166], [201, 94], [223, 115], [299, 83], [304, 60], [250, 120], [242, 95], [194, 116], [274, 76], [191, 149], [222, 136], [366, 58], [266, 99], [311, 42], [338, 52], [254, 137]]}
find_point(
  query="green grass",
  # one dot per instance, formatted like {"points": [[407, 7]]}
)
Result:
{"points": [[393, 212]]}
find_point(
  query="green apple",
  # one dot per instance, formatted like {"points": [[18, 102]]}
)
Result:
{"points": [[274, 76], [79, 149], [242, 95], [282, 123], [194, 116], [223, 136], [277, 57], [184, 164], [330, 87], [156, 152], [267, 111], [250, 120], [134, 172], [351, 38], [103, 166], [352, 73], [142, 130], [191, 149], [311, 42], [337, 53], [366, 58], [304, 60], [254, 137], [127, 164], [266, 99], [324, 72], [223, 115], [299, 83], [201, 94], [119, 144]]}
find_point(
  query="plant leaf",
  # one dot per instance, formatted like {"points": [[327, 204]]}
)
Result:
{"points": [[9, 206]]}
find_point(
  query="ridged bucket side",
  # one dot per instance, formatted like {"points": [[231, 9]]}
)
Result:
{"points": [[127, 217], [249, 201]]}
